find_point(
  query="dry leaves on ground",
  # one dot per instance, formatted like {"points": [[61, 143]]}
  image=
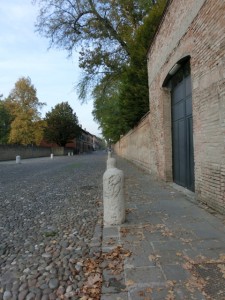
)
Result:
{"points": [[170, 284], [129, 282], [196, 281], [111, 241], [222, 269], [91, 289], [114, 259], [130, 210], [145, 294], [137, 231], [161, 228], [154, 257], [124, 231]]}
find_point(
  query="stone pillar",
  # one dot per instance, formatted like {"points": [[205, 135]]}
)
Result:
{"points": [[111, 163], [18, 159], [113, 194]]}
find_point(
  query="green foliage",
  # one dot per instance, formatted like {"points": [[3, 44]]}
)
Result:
{"points": [[107, 110], [112, 37], [62, 124], [5, 121], [130, 99], [134, 95], [101, 30], [23, 104]]}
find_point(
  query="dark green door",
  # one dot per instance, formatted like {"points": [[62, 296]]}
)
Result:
{"points": [[182, 128]]}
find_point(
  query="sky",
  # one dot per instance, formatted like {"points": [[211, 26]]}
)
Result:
{"points": [[24, 53]]}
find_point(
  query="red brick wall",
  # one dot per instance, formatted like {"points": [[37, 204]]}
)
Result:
{"points": [[195, 28]]}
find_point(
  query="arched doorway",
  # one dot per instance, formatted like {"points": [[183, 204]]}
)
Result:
{"points": [[179, 83]]}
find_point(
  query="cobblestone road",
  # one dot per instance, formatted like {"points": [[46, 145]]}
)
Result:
{"points": [[48, 212]]}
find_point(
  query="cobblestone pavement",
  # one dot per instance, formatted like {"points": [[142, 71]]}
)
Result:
{"points": [[49, 210]]}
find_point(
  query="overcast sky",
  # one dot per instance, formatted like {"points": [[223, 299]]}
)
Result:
{"points": [[24, 53]]}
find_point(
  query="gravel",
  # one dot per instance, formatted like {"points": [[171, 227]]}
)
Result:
{"points": [[50, 216]]}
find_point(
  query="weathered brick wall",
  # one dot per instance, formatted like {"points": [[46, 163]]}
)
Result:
{"points": [[136, 145], [195, 28]]}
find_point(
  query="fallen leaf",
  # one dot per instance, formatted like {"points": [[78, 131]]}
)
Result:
{"points": [[94, 279], [127, 254], [154, 257], [129, 282], [170, 296], [187, 266], [124, 231], [141, 293], [111, 241], [171, 283], [186, 240], [222, 257], [222, 269]]}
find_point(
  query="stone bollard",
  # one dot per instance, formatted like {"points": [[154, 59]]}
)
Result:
{"points": [[18, 159], [68, 153], [113, 194], [111, 163], [52, 156]]}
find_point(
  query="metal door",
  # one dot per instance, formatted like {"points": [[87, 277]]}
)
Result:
{"points": [[182, 128]]}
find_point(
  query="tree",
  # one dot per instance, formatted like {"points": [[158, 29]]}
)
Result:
{"points": [[134, 92], [102, 30], [23, 104], [107, 111], [112, 37], [5, 121], [131, 94], [62, 124]]}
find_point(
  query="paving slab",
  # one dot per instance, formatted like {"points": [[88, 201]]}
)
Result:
{"points": [[117, 296], [176, 245]]}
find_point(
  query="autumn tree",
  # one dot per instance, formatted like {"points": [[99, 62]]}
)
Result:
{"points": [[62, 124], [23, 104]]}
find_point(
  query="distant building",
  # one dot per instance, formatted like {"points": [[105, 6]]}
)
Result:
{"points": [[85, 143], [98, 143]]}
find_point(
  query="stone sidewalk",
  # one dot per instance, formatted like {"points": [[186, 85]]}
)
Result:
{"points": [[172, 247]]}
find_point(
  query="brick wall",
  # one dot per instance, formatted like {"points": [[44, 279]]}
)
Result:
{"points": [[196, 29], [136, 145]]}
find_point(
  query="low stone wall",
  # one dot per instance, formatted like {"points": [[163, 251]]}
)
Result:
{"points": [[9, 152]]}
